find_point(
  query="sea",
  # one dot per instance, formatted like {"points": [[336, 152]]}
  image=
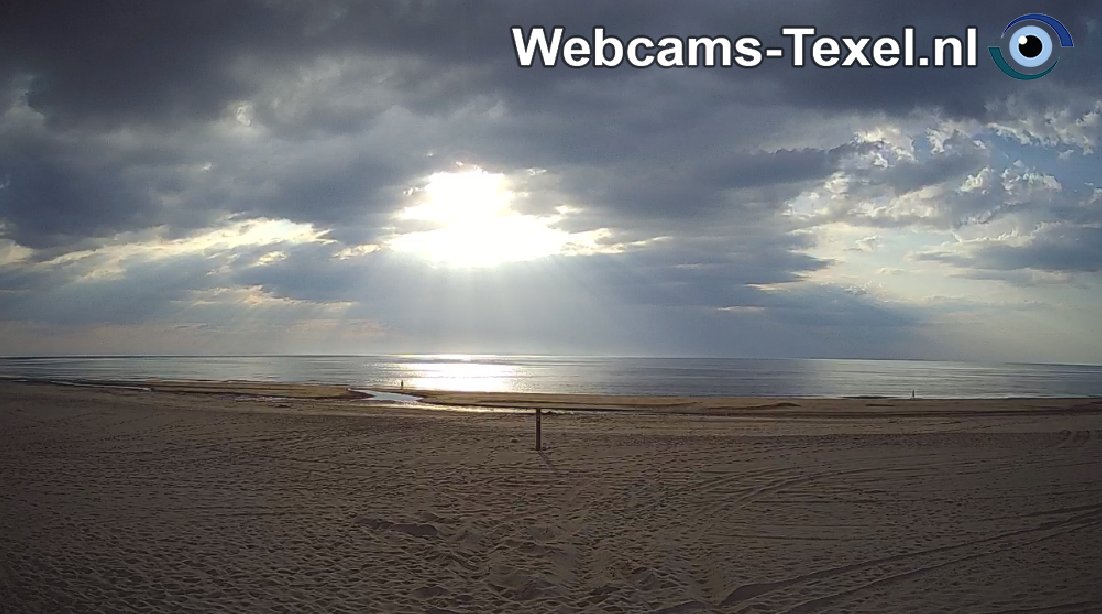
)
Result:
{"points": [[601, 375]]}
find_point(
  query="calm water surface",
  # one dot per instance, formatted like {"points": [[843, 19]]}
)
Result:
{"points": [[671, 376]]}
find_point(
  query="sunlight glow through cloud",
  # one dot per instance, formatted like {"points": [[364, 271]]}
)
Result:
{"points": [[473, 224], [111, 259]]}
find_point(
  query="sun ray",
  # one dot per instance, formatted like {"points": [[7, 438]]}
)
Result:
{"points": [[467, 220]]}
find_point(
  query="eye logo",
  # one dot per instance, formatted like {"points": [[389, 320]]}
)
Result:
{"points": [[1028, 40]]}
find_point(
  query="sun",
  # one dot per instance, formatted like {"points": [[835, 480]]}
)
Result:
{"points": [[468, 221]]}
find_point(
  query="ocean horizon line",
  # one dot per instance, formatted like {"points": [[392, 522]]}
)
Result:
{"points": [[490, 355]]}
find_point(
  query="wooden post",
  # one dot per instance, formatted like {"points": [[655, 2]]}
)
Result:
{"points": [[539, 430]]}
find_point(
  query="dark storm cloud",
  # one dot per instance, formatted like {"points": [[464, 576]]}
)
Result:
{"points": [[114, 63], [311, 273], [1055, 248], [651, 277], [147, 290], [751, 183], [119, 62], [166, 66], [57, 194]]}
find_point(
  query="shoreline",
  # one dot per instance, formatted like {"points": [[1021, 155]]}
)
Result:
{"points": [[861, 407]]}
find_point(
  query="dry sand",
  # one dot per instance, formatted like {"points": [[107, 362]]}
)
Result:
{"points": [[117, 500]]}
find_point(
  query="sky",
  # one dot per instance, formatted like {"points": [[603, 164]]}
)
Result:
{"points": [[270, 177]]}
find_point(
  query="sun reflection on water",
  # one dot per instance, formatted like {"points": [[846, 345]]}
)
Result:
{"points": [[462, 376]]}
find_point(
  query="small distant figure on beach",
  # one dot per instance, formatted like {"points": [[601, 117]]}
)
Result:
{"points": [[402, 384], [912, 394]]}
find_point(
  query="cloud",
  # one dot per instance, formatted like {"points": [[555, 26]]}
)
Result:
{"points": [[1051, 247], [868, 244], [1076, 123], [205, 165]]}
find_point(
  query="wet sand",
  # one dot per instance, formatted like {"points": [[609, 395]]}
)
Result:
{"points": [[203, 496]]}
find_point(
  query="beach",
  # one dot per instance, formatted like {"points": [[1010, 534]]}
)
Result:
{"points": [[204, 496]]}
